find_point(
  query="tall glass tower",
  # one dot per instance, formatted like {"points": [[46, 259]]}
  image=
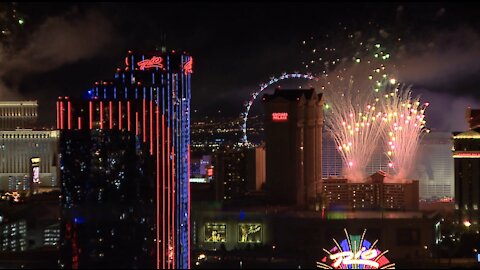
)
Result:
{"points": [[124, 156]]}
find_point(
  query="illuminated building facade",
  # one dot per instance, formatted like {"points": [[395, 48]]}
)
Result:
{"points": [[374, 194], [13, 236], [466, 154], [18, 114], [293, 133], [17, 148], [125, 167]]}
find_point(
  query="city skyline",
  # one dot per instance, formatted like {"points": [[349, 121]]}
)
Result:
{"points": [[239, 46], [239, 135]]}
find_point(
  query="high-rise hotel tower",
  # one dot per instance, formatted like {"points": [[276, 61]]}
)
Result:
{"points": [[124, 163]]}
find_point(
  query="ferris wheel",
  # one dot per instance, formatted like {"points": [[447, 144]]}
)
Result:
{"points": [[263, 86]]}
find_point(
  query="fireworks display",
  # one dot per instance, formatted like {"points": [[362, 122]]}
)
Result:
{"points": [[360, 107], [11, 23], [404, 125], [355, 126], [353, 86], [356, 72]]}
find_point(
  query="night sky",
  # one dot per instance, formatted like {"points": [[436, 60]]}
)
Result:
{"points": [[62, 49]]}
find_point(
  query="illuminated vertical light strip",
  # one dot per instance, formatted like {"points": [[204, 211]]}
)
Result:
{"points": [[101, 114], [169, 190], [136, 124], [188, 217], [144, 128], [69, 108], [79, 123], [187, 181], [174, 128], [129, 121], [58, 114], [158, 187], [163, 192], [164, 178], [61, 114], [151, 126], [174, 207], [119, 115], [157, 154], [169, 206], [110, 112], [90, 105]]}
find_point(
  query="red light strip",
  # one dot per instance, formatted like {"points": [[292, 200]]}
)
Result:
{"points": [[120, 115], [79, 123], [189, 198], [101, 114], [110, 112], [169, 191], [151, 127], [136, 124], [158, 190], [61, 114], [163, 193], [144, 121], [129, 122], [173, 207], [90, 105], [69, 115], [58, 115]]}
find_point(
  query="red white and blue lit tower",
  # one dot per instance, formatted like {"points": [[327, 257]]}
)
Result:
{"points": [[149, 99]]}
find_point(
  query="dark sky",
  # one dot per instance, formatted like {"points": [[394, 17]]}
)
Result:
{"points": [[64, 48]]}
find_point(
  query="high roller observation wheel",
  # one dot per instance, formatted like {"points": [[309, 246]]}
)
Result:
{"points": [[263, 86]]}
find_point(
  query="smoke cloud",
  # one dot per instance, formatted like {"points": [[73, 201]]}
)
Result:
{"points": [[56, 42]]}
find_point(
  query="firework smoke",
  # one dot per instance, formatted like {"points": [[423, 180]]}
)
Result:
{"points": [[57, 41]]}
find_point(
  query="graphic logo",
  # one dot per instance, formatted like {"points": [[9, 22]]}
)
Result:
{"points": [[155, 61], [355, 252], [188, 66]]}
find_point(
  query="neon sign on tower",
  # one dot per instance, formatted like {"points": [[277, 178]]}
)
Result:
{"points": [[279, 117], [355, 252]]}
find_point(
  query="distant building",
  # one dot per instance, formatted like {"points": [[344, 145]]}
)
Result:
{"points": [[374, 194], [473, 118], [291, 234], [435, 167], [230, 174], [466, 154], [256, 174], [238, 171], [332, 163], [13, 236], [293, 141], [51, 235], [20, 142], [17, 147], [18, 114]]}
